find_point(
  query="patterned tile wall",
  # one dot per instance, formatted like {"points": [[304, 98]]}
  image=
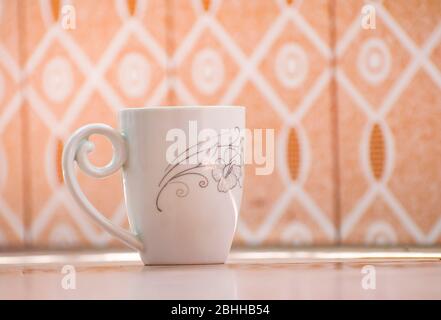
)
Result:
{"points": [[389, 102], [347, 130], [114, 57], [12, 145]]}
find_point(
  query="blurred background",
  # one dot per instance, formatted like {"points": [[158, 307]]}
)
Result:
{"points": [[352, 89]]}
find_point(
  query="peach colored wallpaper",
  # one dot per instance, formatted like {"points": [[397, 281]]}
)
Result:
{"points": [[12, 219], [389, 108], [358, 158]]}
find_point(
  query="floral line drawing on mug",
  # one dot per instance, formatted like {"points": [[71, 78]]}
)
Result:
{"points": [[227, 175], [224, 159]]}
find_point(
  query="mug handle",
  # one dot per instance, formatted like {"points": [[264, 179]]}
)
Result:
{"points": [[76, 149]]}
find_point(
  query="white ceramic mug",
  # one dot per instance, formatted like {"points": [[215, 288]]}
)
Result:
{"points": [[182, 209]]}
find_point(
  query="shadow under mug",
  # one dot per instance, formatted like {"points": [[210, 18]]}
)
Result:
{"points": [[182, 209]]}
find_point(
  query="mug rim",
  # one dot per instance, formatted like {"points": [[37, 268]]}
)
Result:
{"points": [[177, 107]]}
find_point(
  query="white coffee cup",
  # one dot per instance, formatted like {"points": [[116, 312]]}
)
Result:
{"points": [[182, 206]]}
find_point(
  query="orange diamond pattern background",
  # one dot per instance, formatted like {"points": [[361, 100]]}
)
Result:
{"points": [[356, 112]]}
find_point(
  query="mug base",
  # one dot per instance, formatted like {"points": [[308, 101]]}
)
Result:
{"points": [[181, 264], [176, 262]]}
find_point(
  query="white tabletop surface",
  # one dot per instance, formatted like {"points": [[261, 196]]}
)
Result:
{"points": [[277, 274]]}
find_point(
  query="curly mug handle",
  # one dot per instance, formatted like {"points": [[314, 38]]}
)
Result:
{"points": [[76, 149]]}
